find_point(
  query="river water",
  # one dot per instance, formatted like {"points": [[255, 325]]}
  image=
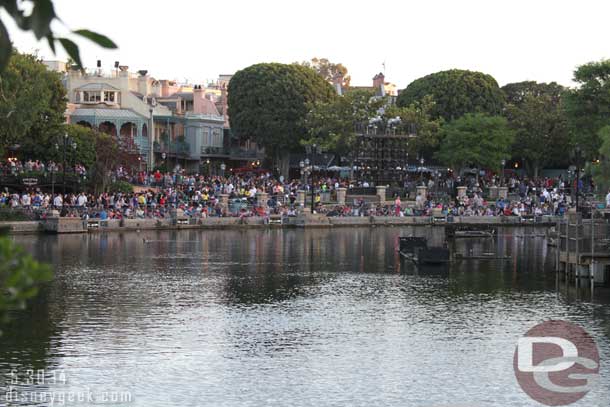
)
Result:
{"points": [[284, 318]]}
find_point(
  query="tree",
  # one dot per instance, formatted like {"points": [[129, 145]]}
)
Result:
{"points": [[416, 119], [107, 158], [268, 103], [588, 106], [329, 70], [601, 170], [30, 98], [333, 124], [39, 21], [476, 139], [535, 112], [456, 92]]}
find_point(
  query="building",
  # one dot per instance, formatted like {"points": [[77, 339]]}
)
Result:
{"points": [[380, 87], [158, 121]]}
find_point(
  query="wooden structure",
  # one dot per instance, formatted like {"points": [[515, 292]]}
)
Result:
{"points": [[583, 250]]}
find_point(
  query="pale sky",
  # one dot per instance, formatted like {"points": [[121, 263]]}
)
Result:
{"points": [[513, 40]]}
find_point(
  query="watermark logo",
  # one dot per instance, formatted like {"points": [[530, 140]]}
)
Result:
{"points": [[556, 363]]}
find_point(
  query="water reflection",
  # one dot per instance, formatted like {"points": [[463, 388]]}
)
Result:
{"points": [[292, 317]]}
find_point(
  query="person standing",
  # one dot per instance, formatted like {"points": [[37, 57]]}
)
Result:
{"points": [[58, 201]]}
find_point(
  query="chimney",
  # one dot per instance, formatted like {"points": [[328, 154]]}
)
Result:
{"points": [[198, 99], [378, 80], [143, 82]]}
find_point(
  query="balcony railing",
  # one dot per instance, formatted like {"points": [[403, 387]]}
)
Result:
{"points": [[245, 153], [207, 151], [176, 148]]}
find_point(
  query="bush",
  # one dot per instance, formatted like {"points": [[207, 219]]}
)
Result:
{"points": [[122, 187], [11, 215]]}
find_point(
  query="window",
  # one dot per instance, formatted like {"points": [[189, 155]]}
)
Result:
{"points": [[206, 137], [92, 96], [77, 96], [109, 97], [217, 137]]}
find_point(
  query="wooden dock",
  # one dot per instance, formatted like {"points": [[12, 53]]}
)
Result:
{"points": [[583, 250]]}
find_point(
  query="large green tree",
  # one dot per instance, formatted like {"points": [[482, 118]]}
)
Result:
{"points": [[476, 139], [268, 103], [456, 92], [534, 110], [588, 106], [32, 101], [334, 124], [601, 170]]}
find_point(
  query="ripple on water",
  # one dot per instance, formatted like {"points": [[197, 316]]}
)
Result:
{"points": [[299, 318]]}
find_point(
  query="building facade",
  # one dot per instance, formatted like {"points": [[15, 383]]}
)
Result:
{"points": [[159, 121]]}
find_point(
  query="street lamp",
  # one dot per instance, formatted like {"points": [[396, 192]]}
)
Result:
{"points": [[576, 156], [502, 175], [64, 164], [421, 169], [223, 167]]}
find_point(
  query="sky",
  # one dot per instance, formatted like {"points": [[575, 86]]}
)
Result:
{"points": [[196, 40]]}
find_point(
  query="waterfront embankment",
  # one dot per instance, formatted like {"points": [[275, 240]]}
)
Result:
{"points": [[75, 225]]}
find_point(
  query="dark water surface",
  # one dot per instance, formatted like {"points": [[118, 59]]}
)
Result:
{"points": [[285, 318]]}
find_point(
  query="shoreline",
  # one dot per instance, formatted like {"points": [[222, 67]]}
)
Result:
{"points": [[76, 225]]}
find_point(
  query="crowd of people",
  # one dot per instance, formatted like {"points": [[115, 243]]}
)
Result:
{"points": [[13, 166], [238, 195]]}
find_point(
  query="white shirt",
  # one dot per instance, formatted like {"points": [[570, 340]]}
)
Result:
{"points": [[82, 200], [608, 199], [58, 201]]}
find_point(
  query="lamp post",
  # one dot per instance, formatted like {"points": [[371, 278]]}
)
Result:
{"points": [[65, 141], [421, 169], [151, 138], [223, 167], [577, 155], [311, 150], [502, 174], [53, 170]]}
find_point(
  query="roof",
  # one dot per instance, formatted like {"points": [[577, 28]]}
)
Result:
{"points": [[209, 107], [97, 86], [107, 114], [183, 95]]}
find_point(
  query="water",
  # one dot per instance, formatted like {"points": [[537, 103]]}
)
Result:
{"points": [[285, 318]]}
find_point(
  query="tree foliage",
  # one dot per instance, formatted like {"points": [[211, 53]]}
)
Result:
{"points": [[32, 100], [20, 277], [329, 70], [535, 112], [38, 20], [416, 119], [268, 103], [333, 124], [456, 92], [476, 139], [601, 170], [108, 157], [588, 106]]}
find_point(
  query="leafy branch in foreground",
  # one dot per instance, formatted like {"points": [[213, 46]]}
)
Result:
{"points": [[20, 278], [39, 21]]}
